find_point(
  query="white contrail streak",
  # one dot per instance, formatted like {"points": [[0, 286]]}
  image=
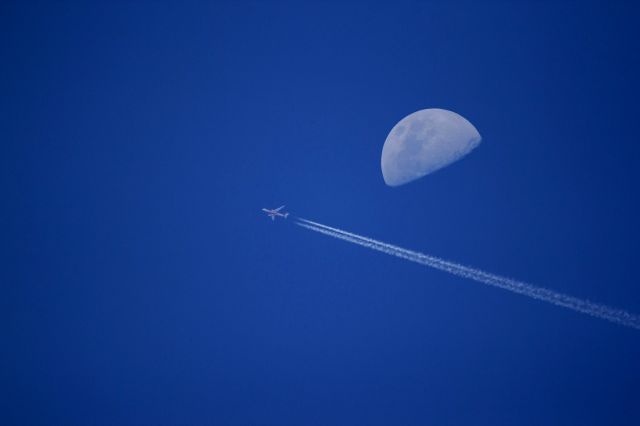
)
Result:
{"points": [[617, 316]]}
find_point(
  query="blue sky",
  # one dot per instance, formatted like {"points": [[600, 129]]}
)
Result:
{"points": [[143, 286]]}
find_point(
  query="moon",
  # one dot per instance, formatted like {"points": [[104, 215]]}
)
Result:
{"points": [[426, 141]]}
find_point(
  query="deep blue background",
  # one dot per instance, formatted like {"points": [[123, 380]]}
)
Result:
{"points": [[141, 284]]}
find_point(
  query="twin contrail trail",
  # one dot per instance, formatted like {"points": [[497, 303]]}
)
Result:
{"points": [[615, 315]]}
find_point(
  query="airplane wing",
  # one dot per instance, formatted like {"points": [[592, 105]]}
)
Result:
{"points": [[278, 209]]}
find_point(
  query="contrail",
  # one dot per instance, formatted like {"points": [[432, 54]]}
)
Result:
{"points": [[596, 310]]}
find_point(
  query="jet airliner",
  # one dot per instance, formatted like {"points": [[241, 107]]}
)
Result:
{"points": [[272, 213]]}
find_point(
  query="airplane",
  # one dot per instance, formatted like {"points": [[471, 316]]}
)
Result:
{"points": [[272, 213]]}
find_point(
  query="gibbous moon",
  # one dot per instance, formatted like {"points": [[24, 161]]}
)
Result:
{"points": [[424, 142]]}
